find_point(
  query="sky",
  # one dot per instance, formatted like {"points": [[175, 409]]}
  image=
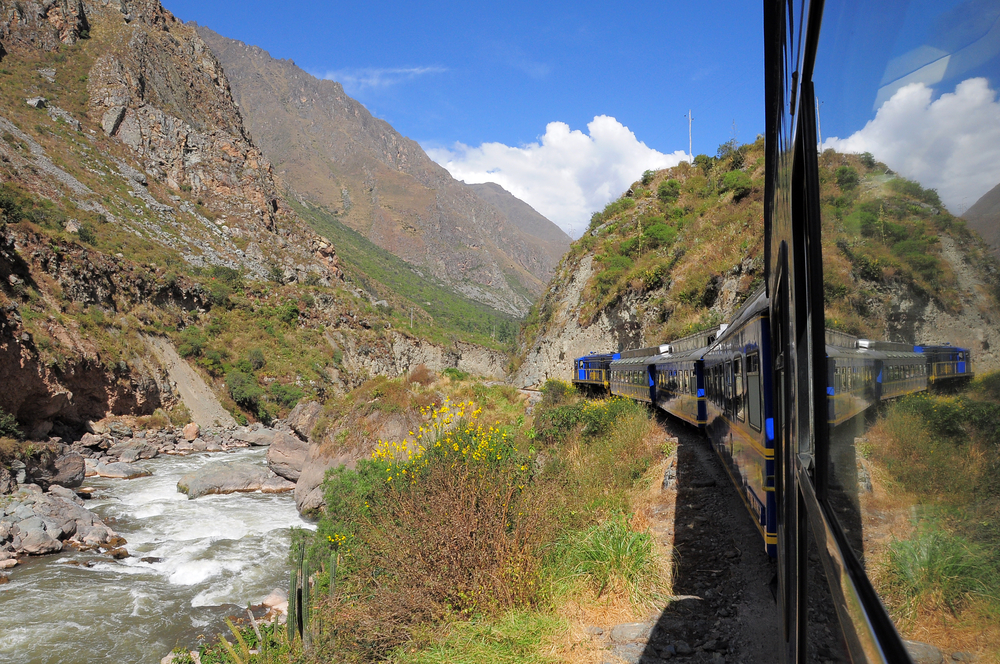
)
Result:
{"points": [[565, 104]]}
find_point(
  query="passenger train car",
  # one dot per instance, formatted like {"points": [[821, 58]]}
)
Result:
{"points": [[593, 371]]}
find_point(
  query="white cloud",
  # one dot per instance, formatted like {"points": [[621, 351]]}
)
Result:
{"points": [[951, 144], [355, 80], [567, 175]]}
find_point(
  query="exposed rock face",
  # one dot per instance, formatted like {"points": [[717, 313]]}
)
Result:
{"points": [[309, 498], [334, 153], [984, 217], [552, 354], [43, 25], [303, 418], [223, 478], [286, 456]]}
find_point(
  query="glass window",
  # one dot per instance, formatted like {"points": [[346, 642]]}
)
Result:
{"points": [[907, 113]]}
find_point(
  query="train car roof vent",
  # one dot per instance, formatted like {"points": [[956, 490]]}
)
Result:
{"points": [[723, 327], [664, 348], [864, 343]]}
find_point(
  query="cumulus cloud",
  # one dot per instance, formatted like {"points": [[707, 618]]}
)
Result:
{"points": [[355, 80], [567, 175], [951, 144]]}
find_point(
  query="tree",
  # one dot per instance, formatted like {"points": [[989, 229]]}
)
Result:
{"points": [[737, 182]]}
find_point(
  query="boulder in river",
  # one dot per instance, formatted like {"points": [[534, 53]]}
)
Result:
{"points": [[286, 455], [191, 431], [258, 438], [70, 470], [227, 477], [122, 471], [277, 485]]}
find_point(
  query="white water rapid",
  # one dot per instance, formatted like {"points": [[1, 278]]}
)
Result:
{"points": [[203, 557]]}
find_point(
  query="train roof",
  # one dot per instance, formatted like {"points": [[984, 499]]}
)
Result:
{"points": [[637, 361], [939, 348], [756, 304], [686, 356], [646, 352], [870, 354], [598, 356]]}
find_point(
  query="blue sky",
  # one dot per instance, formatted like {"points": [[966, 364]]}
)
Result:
{"points": [[455, 76]]}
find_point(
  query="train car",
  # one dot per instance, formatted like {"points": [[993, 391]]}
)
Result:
{"points": [[592, 372], [947, 364], [852, 388], [680, 385], [739, 417], [900, 371], [633, 375]]}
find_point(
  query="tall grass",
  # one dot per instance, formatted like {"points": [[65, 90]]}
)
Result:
{"points": [[607, 554]]}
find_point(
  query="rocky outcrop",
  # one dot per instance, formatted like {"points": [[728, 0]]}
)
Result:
{"points": [[287, 455], [45, 25], [223, 478], [309, 497], [552, 354]]}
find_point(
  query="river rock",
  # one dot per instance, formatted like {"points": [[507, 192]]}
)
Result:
{"points": [[287, 455], [191, 431], [7, 483], [303, 419], [309, 497], [277, 485], [258, 438], [122, 471], [37, 541], [227, 477], [70, 471], [91, 440], [90, 467]]}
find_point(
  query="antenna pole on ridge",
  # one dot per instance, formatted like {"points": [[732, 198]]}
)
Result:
{"points": [[690, 149]]}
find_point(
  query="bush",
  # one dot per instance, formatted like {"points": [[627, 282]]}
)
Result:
{"points": [[868, 160], [737, 182], [455, 374], [8, 426], [555, 391], [647, 177], [87, 235], [256, 359], [286, 395], [192, 342], [244, 390], [847, 178], [668, 191]]}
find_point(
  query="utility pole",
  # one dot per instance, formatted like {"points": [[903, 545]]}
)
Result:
{"points": [[690, 150], [819, 127]]}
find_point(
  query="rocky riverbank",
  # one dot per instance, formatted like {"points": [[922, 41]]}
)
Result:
{"points": [[42, 503]]}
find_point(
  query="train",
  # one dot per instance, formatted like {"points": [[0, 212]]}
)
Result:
{"points": [[722, 382]]}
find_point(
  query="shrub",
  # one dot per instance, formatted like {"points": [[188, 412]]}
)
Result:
{"points": [[256, 359], [847, 178], [704, 162], [555, 391], [8, 425], [647, 177], [244, 390], [455, 373], [668, 190], [421, 375], [737, 182], [286, 395], [868, 160], [192, 342], [87, 235]]}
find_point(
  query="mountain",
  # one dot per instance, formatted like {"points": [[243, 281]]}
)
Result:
{"points": [[984, 217], [330, 151], [137, 212], [549, 237], [681, 250]]}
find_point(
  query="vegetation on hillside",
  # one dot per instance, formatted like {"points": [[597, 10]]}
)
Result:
{"points": [[484, 524], [669, 242], [439, 313], [882, 232]]}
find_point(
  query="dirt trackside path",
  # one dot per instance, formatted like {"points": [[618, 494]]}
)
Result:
{"points": [[196, 395]]}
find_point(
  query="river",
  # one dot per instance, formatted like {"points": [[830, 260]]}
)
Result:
{"points": [[203, 554]]}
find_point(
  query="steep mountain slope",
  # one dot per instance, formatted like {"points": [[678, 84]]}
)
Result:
{"points": [[331, 151], [984, 218], [134, 204], [549, 237], [681, 250]]}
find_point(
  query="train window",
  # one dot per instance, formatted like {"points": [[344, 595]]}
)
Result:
{"points": [[904, 114], [738, 385], [754, 391]]}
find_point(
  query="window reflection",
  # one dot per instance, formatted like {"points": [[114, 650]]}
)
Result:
{"points": [[910, 121]]}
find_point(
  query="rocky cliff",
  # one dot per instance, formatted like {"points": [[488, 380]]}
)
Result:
{"points": [[984, 217], [331, 151]]}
